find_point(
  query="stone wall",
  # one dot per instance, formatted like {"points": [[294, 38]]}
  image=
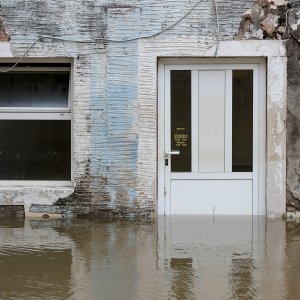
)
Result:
{"points": [[268, 19]]}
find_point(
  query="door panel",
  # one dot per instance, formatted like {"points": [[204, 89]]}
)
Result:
{"points": [[211, 197], [242, 120], [211, 139], [211, 121]]}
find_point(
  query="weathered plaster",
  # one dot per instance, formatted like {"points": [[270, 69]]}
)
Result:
{"points": [[274, 51], [250, 48], [114, 87], [276, 136], [5, 50], [29, 195]]}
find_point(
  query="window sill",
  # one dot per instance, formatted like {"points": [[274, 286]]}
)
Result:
{"points": [[36, 185]]}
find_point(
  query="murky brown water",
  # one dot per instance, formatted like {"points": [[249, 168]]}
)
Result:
{"points": [[180, 258]]}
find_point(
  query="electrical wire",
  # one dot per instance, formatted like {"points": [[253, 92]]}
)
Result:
{"points": [[22, 57], [95, 40], [162, 31], [133, 38], [218, 28]]}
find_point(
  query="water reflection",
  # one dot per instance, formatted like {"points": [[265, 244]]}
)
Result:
{"points": [[182, 278], [241, 278], [292, 255], [183, 257]]}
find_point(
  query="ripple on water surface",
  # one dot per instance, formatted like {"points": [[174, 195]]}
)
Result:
{"points": [[183, 257]]}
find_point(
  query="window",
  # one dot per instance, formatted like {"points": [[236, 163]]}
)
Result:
{"points": [[35, 123]]}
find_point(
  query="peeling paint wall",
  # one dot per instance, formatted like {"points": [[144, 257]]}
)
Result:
{"points": [[115, 131]]}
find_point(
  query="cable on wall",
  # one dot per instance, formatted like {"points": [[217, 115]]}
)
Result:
{"points": [[20, 59], [133, 38], [218, 28], [40, 37]]}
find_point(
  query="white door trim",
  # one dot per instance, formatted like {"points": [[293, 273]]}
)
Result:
{"points": [[259, 157]]}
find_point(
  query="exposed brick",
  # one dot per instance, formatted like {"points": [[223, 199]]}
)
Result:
{"points": [[4, 36]]}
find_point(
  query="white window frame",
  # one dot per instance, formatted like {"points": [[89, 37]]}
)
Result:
{"points": [[42, 113]]}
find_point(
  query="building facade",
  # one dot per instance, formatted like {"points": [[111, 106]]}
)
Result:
{"points": [[133, 108]]}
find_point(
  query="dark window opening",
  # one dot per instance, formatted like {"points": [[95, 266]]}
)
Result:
{"points": [[35, 150], [181, 120], [38, 89]]}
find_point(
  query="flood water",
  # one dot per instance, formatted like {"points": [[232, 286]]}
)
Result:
{"points": [[183, 257]]}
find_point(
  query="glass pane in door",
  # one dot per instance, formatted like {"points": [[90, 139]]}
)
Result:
{"points": [[211, 121], [181, 120], [242, 120]]}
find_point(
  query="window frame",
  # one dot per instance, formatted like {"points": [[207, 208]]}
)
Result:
{"points": [[43, 113]]}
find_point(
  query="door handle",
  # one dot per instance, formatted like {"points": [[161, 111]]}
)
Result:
{"points": [[175, 152]]}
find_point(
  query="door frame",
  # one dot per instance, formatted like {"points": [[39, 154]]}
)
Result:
{"points": [[259, 175]]}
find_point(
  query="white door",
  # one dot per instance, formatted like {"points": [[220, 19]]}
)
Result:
{"points": [[211, 150]]}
